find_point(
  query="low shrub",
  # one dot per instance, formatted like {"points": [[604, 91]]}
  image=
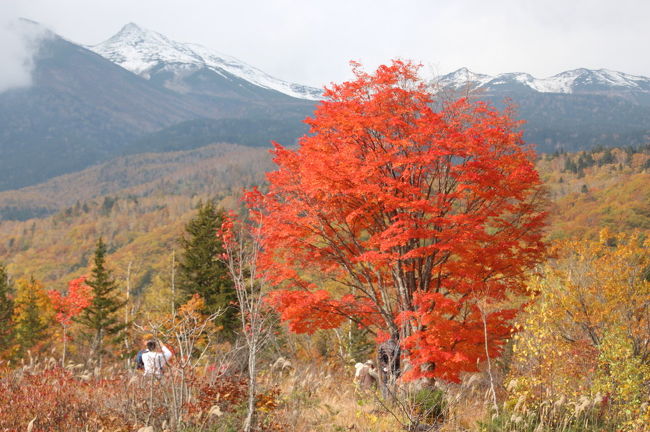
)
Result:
{"points": [[429, 404]]}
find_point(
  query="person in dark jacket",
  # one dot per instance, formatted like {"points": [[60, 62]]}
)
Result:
{"points": [[389, 359]]}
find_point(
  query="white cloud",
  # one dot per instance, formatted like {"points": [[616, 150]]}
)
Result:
{"points": [[19, 42]]}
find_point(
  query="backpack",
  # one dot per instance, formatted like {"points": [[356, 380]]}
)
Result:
{"points": [[139, 363]]}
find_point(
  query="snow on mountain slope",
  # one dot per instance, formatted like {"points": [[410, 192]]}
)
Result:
{"points": [[462, 78], [573, 81], [139, 50]]}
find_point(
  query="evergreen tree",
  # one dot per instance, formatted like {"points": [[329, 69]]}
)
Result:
{"points": [[571, 166], [201, 271], [607, 158], [102, 318], [6, 310], [32, 315]]}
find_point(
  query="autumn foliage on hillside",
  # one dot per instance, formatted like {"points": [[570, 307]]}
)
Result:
{"points": [[601, 188], [587, 332], [409, 216]]}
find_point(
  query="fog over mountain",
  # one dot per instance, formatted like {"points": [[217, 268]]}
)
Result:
{"points": [[19, 43]]}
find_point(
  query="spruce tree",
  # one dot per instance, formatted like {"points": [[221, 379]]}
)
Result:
{"points": [[102, 318], [32, 315], [200, 269], [6, 310]]}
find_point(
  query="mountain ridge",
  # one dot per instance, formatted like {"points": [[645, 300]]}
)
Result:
{"points": [[142, 51], [82, 109], [581, 80]]}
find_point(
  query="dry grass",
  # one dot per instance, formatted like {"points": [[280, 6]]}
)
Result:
{"points": [[307, 398], [317, 399]]}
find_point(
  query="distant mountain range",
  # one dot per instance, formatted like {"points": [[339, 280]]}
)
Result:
{"points": [[577, 81], [141, 92], [574, 110], [83, 109]]}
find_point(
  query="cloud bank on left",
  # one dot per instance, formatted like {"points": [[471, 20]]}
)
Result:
{"points": [[20, 40]]}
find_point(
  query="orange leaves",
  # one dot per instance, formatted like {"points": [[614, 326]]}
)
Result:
{"points": [[306, 312], [67, 307], [453, 345], [387, 198], [193, 306]]}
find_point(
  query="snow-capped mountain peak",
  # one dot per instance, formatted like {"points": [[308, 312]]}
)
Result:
{"points": [[572, 81], [141, 51], [462, 78]]}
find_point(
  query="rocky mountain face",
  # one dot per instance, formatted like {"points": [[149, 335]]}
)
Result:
{"points": [[578, 81]]}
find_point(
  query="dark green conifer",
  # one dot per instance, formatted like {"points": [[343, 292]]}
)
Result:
{"points": [[101, 318], [200, 269], [32, 315], [6, 310]]}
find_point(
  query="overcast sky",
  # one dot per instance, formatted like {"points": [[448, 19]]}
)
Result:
{"points": [[311, 42]]}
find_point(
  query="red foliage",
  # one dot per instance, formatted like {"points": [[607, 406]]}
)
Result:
{"points": [[226, 231], [227, 391], [79, 298], [457, 345], [60, 402], [405, 214]]}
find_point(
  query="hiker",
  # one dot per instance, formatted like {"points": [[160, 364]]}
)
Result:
{"points": [[152, 361], [389, 359], [365, 376], [139, 364]]}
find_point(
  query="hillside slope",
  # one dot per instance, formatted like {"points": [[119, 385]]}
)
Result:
{"points": [[142, 218], [598, 189], [207, 170]]}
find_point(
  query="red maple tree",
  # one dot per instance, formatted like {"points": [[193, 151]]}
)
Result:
{"points": [[69, 306], [403, 218], [78, 298]]}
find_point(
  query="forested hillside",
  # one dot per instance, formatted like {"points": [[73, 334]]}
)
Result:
{"points": [[139, 204], [601, 188], [207, 170]]}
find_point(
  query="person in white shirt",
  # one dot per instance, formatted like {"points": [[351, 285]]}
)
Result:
{"points": [[154, 361]]}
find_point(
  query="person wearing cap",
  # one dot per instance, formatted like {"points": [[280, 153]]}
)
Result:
{"points": [[155, 361]]}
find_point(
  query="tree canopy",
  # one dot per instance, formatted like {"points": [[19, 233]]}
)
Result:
{"points": [[101, 317], [403, 218], [201, 270], [32, 315], [6, 310]]}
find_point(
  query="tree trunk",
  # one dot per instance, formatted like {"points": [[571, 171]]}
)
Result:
{"points": [[252, 386], [64, 348]]}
